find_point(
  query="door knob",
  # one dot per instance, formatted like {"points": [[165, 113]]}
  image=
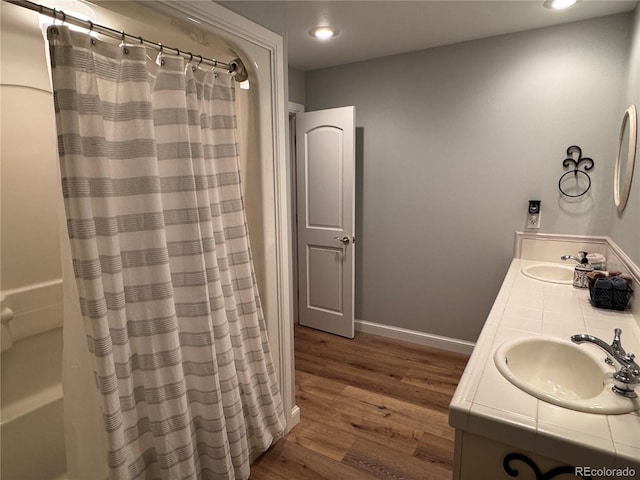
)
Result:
{"points": [[344, 239]]}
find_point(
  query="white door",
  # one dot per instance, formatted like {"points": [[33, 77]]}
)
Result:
{"points": [[325, 164]]}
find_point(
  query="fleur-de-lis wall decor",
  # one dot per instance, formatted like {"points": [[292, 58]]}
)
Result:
{"points": [[571, 160]]}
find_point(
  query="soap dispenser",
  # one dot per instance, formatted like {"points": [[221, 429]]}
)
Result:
{"points": [[580, 279]]}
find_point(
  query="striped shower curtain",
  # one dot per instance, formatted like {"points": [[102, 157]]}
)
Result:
{"points": [[161, 256]]}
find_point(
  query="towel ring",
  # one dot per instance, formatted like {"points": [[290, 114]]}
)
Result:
{"points": [[576, 169], [575, 173]]}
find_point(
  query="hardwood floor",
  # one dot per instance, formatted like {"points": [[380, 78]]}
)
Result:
{"points": [[371, 408]]}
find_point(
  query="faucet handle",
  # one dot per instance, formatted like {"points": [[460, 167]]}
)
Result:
{"points": [[630, 357], [617, 343]]}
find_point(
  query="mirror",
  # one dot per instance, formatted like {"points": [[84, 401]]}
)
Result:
{"points": [[623, 171]]}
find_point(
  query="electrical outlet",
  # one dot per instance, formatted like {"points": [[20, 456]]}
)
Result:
{"points": [[533, 220]]}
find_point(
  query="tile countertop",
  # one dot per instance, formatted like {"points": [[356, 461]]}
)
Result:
{"points": [[487, 404]]}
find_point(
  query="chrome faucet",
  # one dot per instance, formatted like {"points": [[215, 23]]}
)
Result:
{"points": [[584, 260], [628, 374]]}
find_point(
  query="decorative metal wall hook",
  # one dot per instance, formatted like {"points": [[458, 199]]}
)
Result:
{"points": [[567, 162]]}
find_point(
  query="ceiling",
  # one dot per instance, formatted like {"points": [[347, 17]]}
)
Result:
{"points": [[372, 29]]}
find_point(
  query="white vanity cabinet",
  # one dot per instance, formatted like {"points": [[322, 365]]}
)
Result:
{"points": [[479, 458], [495, 420]]}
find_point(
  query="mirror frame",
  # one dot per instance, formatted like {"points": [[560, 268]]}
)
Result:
{"points": [[629, 120]]}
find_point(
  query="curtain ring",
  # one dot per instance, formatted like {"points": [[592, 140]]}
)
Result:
{"points": [[177, 52], [122, 36], [161, 47], [193, 67], [90, 26], [141, 41], [64, 17], [54, 16], [200, 62]]}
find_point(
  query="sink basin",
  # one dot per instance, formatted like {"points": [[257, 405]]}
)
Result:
{"points": [[550, 272], [562, 373]]}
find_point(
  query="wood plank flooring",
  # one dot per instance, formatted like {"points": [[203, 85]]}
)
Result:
{"points": [[371, 408]]}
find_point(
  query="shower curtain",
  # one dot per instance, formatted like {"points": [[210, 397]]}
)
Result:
{"points": [[161, 256]]}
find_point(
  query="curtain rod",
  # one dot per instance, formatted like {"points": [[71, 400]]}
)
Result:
{"points": [[235, 67]]}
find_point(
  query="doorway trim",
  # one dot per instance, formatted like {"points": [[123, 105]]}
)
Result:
{"points": [[279, 289], [294, 109]]}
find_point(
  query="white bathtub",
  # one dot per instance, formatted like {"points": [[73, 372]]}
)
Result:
{"points": [[33, 438], [31, 409]]}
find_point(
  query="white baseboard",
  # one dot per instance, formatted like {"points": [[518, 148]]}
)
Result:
{"points": [[413, 336], [293, 420]]}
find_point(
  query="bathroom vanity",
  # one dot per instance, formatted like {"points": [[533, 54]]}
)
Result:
{"points": [[504, 432]]}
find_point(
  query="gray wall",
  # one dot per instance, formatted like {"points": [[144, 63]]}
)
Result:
{"points": [[453, 141], [625, 228], [296, 86]]}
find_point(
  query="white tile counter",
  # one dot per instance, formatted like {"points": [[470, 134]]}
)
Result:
{"points": [[488, 405]]}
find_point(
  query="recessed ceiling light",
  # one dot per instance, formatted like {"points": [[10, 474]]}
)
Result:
{"points": [[324, 32], [559, 4]]}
